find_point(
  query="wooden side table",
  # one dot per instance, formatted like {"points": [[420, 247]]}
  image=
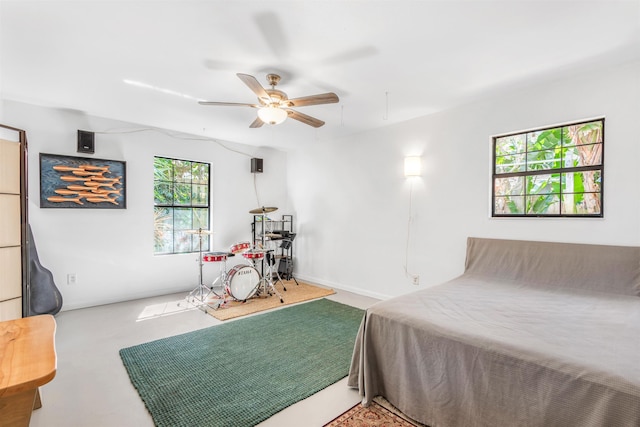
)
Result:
{"points": [[27, 361]]}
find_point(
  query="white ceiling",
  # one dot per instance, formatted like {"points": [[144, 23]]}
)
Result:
{"points": [[388, 61]]}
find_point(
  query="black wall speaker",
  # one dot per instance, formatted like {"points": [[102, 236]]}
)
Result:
{"points": [[86, 141], [256, 165]]}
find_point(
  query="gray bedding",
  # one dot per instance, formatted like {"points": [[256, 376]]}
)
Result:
{"points": [[532, 334]]}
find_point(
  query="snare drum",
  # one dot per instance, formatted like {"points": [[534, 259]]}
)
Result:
{"points": [[253, 255], [243, 281], [239, 247], [214, 256]]}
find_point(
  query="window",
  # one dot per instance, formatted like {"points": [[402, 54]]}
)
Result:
{"points": [[181, 203], [551, 172]]}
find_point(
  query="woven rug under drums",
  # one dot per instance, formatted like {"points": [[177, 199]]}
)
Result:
{"points": [[240, 373], [294, 294]]}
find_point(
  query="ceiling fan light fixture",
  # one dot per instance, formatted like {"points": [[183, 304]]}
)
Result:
{"points": [[272, 114], [274, 106]]}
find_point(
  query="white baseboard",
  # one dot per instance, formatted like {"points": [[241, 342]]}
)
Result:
{"points": [[317, 281]]}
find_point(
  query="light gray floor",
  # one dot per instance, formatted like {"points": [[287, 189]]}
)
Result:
{"points": [[91, 387]]}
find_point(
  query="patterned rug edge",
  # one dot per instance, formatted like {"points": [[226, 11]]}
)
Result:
{"points": [[375, 415]]}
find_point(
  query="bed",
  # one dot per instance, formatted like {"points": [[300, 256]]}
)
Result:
{"points": [[531, 334]]}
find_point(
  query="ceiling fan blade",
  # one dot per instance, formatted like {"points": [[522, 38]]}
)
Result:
{"points": [[255, 86], [307, 120], [228, 104], [323, 98], [256, 123]]}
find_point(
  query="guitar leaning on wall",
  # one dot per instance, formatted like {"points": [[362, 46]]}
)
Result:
{"points": [[44, 296]]}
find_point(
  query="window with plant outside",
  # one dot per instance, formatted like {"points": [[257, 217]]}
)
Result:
{"points": [[181, 204], [551, 172]]}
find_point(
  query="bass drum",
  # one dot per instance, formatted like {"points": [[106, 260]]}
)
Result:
{"points": [[243, 281]]}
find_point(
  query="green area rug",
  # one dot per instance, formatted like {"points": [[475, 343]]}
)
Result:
{"points": [[242, 372]]}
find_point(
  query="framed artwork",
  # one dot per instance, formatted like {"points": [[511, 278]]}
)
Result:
{"points": [[82, 183]]}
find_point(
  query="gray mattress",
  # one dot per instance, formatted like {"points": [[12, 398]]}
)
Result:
{"points": [[512, 345]]}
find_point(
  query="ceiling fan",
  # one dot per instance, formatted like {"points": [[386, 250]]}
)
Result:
{"points": [[274, 106]]}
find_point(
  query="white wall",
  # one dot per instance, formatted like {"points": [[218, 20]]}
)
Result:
{"points": [[349, 197], [352, 201], [111, 251]]}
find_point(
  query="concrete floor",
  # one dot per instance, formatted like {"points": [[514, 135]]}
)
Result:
{"points": [[92, 388]]}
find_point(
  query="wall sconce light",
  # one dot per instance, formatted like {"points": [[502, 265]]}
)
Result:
{"points": [[412, 166]]}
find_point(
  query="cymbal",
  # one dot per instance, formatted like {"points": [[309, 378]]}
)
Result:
{"points": [[198, 231], [263, 210]]}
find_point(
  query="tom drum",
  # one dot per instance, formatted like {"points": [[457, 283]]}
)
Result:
{"points": [[253, 255], [239, 247], [214, 256]]}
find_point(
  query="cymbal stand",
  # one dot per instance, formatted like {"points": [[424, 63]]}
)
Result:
{"points": [[201, 292], [268, 287]]}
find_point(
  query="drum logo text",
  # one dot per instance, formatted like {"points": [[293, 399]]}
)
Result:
{"points": [[245, 271]]}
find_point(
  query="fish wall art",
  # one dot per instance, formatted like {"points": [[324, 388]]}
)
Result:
{"points": [[79, 182]]}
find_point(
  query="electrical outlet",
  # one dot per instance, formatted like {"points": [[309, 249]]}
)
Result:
{"points": [[416, 280], [72, 279]]}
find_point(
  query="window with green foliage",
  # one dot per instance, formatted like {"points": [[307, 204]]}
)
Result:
{"points": [[549, 172], [181, 203]]}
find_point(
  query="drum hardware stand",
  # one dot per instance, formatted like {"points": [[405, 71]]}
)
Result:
{"points": [[271, 262], [262, 213], [268, 287], [201, 292], [222, 283]]}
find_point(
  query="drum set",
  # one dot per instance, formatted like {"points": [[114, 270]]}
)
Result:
{"points": [[240, 282]]}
